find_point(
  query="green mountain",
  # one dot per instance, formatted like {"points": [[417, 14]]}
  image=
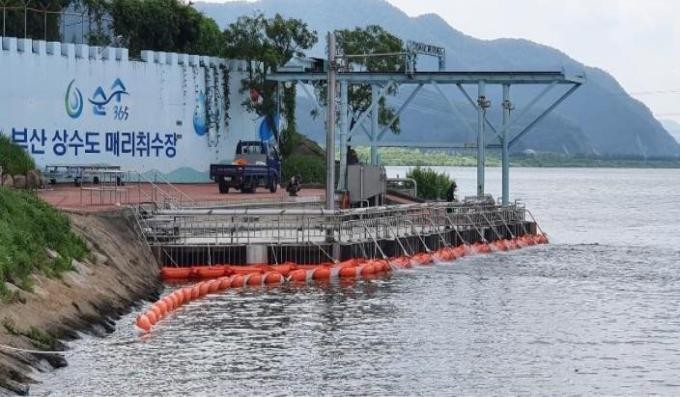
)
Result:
{"points": [[673, 128], [600, 118]]}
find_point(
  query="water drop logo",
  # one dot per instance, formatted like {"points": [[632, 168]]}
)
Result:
{"points": [[199, 115], [73, 101]]}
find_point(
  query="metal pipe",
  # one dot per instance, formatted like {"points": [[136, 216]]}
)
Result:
{"points": [[481, 150], [505, 159], [374, 123], [330, 135], [344, 127]]}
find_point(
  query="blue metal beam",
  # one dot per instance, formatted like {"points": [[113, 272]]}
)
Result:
{"points": [[470, 77], [401, 109], [455, 109], [474, 105], [527, 109], [542, 115]]}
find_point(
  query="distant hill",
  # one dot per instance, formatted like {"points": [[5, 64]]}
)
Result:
{"points": [[673, 128], [600, 118]]}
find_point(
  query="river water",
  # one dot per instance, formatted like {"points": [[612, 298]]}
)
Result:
{"points": [[595, 312]]}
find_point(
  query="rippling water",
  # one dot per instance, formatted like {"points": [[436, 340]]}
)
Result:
{"points": [[596, 312]]}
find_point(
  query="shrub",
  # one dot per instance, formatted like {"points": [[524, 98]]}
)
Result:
{"points": [[432, 185], [311, 169], [28, 226], [14, 159]]}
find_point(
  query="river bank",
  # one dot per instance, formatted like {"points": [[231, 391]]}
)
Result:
{"points": [[119, 271]]}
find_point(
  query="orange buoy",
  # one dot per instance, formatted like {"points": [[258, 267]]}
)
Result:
{"points": [[186, 292], [195, 292], [298, 275], [162, 306], [284, 269], [206, 272], [144, 323], [175, 273], [175, 298], [322, 273], [347, 271], [245, 269], [273, 278], [367, 270], [225, 282], [237, 281], [213, 286], [169, 303], [203, 289], [255, 279], [153, 319], [157, 311]]}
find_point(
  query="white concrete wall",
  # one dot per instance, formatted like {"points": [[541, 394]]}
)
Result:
{"points": [[157, 110]]}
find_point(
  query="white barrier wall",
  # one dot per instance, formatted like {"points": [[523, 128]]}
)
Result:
{"points": [[74, 104]]}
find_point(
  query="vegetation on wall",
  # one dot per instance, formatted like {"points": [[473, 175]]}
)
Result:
{"points": [[432, 185]]}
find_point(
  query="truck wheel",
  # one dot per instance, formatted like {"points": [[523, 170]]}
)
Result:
{"points": [[224, 186], [274, 185]]}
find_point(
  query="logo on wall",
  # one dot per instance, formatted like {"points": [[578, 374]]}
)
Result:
{"points": [[73, 101], [199, 115], [100, 101]]}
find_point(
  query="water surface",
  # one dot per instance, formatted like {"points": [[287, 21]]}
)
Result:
{"points": [[596, 312]]}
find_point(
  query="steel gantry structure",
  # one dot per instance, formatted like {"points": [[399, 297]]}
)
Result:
{"points": [[507, 134]]}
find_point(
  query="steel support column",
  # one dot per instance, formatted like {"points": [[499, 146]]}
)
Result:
{"points": [[344, 130], [330, 134], [505, 158], [481, 150], [375, 93]]}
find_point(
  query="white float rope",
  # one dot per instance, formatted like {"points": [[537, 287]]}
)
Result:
{"points": [[5, 347]]}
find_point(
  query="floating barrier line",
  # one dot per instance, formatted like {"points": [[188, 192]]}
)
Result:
{"points": [[222, 277]]}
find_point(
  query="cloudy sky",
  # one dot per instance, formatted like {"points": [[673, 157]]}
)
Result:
{"points": [[637, 41]]}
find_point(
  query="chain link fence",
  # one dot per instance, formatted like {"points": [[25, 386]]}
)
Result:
{"points": [[51, 21]]}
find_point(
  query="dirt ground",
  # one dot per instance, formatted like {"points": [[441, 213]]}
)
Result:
{"points": [[120, 271]]}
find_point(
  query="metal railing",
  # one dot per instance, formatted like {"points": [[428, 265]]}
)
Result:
{"points": [[299, 226]]}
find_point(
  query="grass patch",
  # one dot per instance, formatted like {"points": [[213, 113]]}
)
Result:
{"points": [[14, 159], [28, 226]]}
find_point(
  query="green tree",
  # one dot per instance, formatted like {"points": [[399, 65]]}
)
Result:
{"points": [[164, 25], [432, 185], [266, 44], [372, 39]]}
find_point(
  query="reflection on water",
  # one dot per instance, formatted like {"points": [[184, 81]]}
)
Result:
{"points": [[569, 318]]}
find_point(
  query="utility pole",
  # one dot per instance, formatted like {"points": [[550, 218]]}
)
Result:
{"points": [[330, 125]]}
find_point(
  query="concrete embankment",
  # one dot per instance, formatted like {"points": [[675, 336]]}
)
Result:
{"points": [[119, 271]]}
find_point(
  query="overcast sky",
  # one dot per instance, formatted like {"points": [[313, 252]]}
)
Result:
{"points": [[637, 41]]}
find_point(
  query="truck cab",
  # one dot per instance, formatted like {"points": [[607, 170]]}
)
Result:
{"points": [[256, 164]]}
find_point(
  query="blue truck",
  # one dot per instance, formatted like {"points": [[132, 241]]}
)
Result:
{"points": [[256, 164]]}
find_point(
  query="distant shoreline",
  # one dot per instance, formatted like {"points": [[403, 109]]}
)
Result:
{"points": [[440, 158]]}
